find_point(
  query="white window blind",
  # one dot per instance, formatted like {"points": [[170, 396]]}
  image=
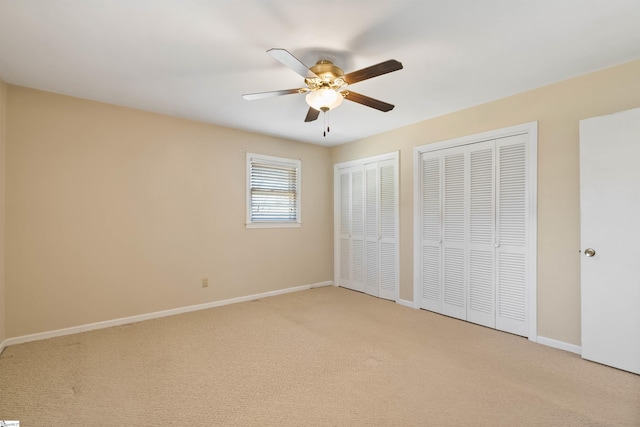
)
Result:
{"points": [[273, 193]]}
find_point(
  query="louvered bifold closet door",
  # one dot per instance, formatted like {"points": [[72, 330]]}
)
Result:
{"points": [[371, 234], [357, 229], [454, 220], [431, 231], [344, 269], [388, 229], [511, 223], [481, 290], [366, 208]]}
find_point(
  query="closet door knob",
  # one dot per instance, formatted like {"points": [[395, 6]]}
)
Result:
{"points": [[589, 252]]}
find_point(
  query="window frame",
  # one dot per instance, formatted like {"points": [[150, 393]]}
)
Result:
{"points": [[278, 162]]}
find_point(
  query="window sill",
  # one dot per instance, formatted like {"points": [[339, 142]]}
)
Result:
{"points": [[274, 225]]}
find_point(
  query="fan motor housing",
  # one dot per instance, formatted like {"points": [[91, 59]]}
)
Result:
{"points": [[328, 74], [324, 68]]}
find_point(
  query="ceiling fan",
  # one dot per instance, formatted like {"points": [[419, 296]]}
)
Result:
{"points": [[326, 84]]}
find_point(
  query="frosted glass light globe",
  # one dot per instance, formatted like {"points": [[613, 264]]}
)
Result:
{"points": [[324, 99]]}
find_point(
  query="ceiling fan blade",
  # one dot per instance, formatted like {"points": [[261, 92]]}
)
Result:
{"points": [[373, 71], [271, 94], [286, 58], [312, 115], [369, 102]]}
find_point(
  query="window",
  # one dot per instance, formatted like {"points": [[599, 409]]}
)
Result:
{"points": [[273, 192]]}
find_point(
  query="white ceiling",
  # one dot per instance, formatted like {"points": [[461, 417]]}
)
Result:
{"points": [[194, 59]]}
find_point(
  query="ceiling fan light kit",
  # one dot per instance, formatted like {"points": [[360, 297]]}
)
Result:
{"points": [[326, 83], [324, 99], [324, 90]]}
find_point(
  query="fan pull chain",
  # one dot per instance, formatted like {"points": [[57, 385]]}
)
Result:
{"points": [[325, 115], [325, 123]]}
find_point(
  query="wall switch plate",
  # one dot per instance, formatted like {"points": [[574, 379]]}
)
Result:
{"points": [[205, 282]]}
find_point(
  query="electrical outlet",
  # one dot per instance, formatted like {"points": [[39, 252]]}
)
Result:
{"points": [[205, 282]]}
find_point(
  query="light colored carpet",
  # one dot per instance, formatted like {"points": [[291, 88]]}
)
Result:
{"points": [[325, 356]]}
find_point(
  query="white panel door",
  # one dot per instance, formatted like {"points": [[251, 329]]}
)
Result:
{"points": [[609, 215], [388, 229], [454, 225], [511, 240]]}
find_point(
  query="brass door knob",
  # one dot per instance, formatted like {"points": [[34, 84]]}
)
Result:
{"points": [[589, 252]]}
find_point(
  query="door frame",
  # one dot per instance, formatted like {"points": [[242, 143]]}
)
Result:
{"points": [[394, 155], [529, 129]]}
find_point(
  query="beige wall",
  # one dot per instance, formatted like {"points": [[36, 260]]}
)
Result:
{"points": [[3, 97], [558, 108], [113, 212]]}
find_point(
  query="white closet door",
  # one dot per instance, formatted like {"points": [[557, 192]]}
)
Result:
{"points": [[351, 268], [366, 221], [431, 229], [454, 233], [511, 225], [344, 269], [474, 209], [481, 292], [371, 229], [357, 229], [388, 229]]}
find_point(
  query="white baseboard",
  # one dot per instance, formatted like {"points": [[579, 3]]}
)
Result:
{"points": [[560, 345], [141, 317], [406, 303], [321, 284]]}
